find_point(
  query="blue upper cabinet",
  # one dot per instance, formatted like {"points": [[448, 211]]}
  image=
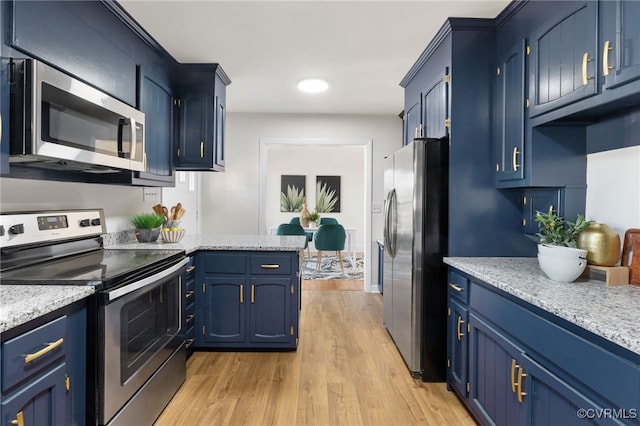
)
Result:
{"points": [[412, 120], [435, 107], [201, 118], [155, 99], [620, 41], [510, 117], [563, 58]]}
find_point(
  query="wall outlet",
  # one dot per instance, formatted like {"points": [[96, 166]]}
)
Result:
{"points": [[376, 208], [151, 194]]}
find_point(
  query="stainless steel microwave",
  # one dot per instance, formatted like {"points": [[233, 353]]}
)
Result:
{"points": [[60, 122]]}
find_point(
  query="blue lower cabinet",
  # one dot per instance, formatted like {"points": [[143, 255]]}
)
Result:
{"points": [[247, 300], [190, 306], [526, 367]]}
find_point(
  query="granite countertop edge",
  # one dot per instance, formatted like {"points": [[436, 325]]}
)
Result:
{"points": [[20, 304], [609, 312], [193, 243]]}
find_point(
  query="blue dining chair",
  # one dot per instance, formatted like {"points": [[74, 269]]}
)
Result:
{"points": [[330, 237], [328, 221], [293, 229]]}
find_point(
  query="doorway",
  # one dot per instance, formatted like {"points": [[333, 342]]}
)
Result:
{"points": [[361, 220]]}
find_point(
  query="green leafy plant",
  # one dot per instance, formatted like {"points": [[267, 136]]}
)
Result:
{"points": [[313, 217], [554, 230], [147, 221], [293, 200], [325, 199]]}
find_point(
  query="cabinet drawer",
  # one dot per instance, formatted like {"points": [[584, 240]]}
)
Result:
{"points": [[458, 286], [32, 352], [224, 263], [271, 265]]}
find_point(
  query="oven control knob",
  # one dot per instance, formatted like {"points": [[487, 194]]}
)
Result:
{"points": [[84, 223], [16, 229], [95, 222]]}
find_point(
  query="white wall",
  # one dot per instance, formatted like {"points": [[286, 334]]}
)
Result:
{"points": [[348, 162], [613, 188]]}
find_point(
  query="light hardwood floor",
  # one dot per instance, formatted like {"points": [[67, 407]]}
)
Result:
{"points": [[346, 371]]}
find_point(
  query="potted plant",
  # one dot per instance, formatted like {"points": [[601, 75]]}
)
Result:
{"points": [[147, 226], [558, 256], [313, 217]]}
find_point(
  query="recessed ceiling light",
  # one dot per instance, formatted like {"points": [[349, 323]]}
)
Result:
{"points": [[312, 85]]}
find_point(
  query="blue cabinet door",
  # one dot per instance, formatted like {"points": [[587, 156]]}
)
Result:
{"points": [[620, 38], [155, 99], [270, 310], [542, 200], [41, 403], [223, 311], [510, 114], [493, 375], [457, 346], [563, 58], [435, 107], [412, 121]]}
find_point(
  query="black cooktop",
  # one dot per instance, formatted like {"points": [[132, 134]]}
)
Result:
{"points": [[101, 268]]}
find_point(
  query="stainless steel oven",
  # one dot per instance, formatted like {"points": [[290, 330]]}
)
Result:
{"points": [[142, 330], [136, 357], [58, 121]]}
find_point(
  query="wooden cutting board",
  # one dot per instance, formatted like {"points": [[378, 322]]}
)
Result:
{"points": [[631, 255]]}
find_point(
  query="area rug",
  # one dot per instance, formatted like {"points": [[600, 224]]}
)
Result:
{"points": [[330, 267]]}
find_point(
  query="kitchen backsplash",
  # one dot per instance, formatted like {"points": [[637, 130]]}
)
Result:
{"points": [[613, 188]]}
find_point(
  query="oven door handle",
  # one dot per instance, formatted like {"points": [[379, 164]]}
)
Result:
{"points": [[119, 292]]}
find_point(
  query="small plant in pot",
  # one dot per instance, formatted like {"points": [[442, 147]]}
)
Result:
{"points": [[313, 217], [147, 226], [558, 256]]}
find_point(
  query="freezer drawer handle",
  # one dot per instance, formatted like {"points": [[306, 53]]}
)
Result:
{"points": [[456, 288]]}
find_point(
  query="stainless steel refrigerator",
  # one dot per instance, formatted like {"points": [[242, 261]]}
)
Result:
{"points": [[415, 241]]}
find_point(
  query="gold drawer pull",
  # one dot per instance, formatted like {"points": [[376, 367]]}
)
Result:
{"points": [[241, 293], [605, 58], [189, 294], [201, 149], [190, 318], [270, 266], [253, 293], [50, 346], [190, 269], [189, 343], [456, 288], [585, 77], [19, 420]]}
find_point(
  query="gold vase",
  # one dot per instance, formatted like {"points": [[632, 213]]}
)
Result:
{"points": [[602, 244]]}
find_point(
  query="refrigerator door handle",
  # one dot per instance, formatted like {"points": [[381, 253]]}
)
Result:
{"points": [[389, 232]]}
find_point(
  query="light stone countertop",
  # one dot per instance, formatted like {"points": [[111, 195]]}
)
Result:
{"points": [[192, 243], [22, 303], [609, 312]]}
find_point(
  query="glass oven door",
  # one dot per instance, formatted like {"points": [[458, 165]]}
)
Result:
{"points": [[142, 328]]}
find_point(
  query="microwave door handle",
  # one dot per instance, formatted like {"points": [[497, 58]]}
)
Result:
{"points": [[132, 123], [121, 122]]}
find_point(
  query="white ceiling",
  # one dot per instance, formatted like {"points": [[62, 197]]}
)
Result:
{"points": [[362, 48]]}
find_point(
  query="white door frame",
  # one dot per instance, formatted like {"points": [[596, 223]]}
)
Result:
{"points": [[368, 172]]}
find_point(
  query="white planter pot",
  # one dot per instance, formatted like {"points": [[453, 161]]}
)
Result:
{"points": [[562, 264]]}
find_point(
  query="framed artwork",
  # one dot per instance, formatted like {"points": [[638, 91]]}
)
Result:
{"points": [[328, 194], [292, 193]]}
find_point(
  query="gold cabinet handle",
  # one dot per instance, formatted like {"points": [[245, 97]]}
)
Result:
{"points": [[585, 77], [514, 159], [460, 333], [188, 343], [50, 346], [514, 365], [605, 58], [521, 394], [253, 293], [241, 293], [455, 287], [190, 318], [189, 294], [178, 153], [270, 266], [19, 420], [191, 269], [201, 149]]}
